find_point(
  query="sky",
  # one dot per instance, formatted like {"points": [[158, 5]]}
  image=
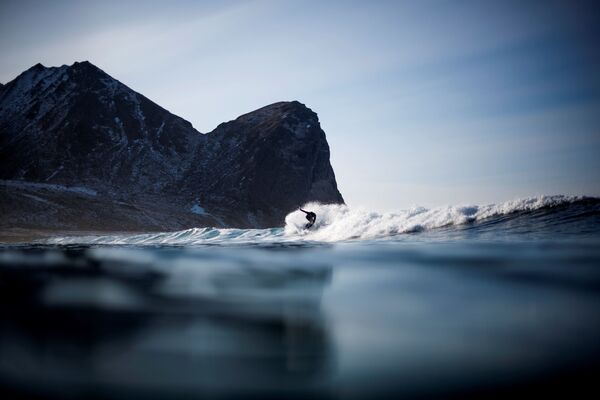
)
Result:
{"points": [[423, 103]]}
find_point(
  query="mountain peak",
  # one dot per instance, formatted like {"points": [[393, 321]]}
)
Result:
{"points": [[292, 110], [83, 64], [285, 106], [35, 68], [86, 67]]}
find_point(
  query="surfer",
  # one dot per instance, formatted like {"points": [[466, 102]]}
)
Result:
{"points": [[311, 217]]}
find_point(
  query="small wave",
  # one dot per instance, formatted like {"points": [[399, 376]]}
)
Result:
{"points": [[337, 223], [187, 237]]}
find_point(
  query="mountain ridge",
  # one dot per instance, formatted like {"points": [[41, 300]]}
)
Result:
{"points": [[77, 126]]}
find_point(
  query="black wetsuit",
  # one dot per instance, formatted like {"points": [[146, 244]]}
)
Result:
{"points": [[311, 217]]}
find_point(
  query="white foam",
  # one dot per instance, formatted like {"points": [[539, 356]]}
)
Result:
{"points": [[335, 223], [340, 222]]}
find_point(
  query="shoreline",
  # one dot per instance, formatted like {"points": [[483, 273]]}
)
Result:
{"points": [[14, 236]]}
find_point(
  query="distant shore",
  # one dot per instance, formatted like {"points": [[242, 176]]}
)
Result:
{"points": [[22, 235]]}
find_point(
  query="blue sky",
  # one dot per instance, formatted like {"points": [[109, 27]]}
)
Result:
{"points": [[423, 102]]}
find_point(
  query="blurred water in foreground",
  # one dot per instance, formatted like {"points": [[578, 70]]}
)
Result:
{"points": [[350, 320], [499, 301]]}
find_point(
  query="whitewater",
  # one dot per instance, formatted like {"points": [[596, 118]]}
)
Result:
{"points": [[338, 223]]}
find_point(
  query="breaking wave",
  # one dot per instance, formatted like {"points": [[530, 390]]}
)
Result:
{"points": [[340, 223]]}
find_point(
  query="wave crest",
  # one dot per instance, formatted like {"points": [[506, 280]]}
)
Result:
{"points": [[340, 222], [336, 223]]}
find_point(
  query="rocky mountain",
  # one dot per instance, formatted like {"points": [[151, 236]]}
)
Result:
{"points": [[80, 150]]}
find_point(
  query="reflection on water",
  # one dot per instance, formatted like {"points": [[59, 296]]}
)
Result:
{"points": [[160, 323], [350, 320]]}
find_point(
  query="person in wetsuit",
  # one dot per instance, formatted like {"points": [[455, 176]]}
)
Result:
{"points": [[311, 217]]}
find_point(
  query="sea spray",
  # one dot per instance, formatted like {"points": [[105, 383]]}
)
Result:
{"points": [[341, 223]]}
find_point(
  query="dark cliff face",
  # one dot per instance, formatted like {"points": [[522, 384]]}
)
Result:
{"points": [[269, 161], [77, 126]]}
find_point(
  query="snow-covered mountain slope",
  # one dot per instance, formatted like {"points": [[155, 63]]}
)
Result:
{"points": [[76, 126]]}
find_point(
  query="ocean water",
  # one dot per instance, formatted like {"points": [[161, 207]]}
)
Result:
{"points": [[496, 300]]}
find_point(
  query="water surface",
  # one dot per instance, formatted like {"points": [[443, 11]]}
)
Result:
{"points": [[498, 304]]}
